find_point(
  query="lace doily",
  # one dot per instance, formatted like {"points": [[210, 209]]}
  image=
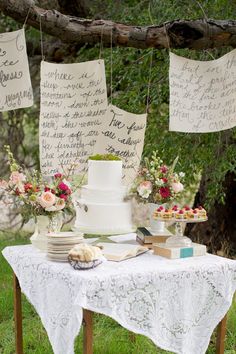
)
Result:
{"points": [[176, 303]]}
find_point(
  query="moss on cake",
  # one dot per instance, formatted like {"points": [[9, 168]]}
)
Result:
{"points": [[105, 157]]}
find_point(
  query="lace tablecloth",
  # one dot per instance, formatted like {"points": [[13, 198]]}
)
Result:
{"points": [[176, 303]]}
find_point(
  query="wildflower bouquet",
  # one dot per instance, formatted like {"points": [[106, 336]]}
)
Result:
{"points": [[34, 196], [156, 182]]}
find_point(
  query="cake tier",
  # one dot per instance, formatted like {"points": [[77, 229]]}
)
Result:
{"points": [[95, 195], [105, 174], [100, 218]]}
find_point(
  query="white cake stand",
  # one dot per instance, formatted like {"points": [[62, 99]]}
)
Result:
{"points": [[179, 240]]}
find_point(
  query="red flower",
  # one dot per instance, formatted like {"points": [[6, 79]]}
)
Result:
{"points": [[63, 196], [165, 192], [63, 187], [17, 191], [46, 189], [164, 169], [28, 187], [58, 175], [165, 180]]}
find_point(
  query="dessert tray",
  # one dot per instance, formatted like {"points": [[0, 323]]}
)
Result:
{"points": [[179, 240], [187, 217]]}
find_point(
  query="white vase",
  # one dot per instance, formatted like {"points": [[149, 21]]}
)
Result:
{"points": [[155, 225], [43, 226]]}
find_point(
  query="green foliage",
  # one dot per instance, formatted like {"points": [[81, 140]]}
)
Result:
{"points": [[130, 81], [209, 152], [105, 157]]}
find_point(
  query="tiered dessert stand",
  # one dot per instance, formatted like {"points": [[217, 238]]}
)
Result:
{"points": [[179, 240]]}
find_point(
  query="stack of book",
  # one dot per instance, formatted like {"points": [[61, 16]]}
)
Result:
{"points": [[195, 250], [59, 245], [147, 238]]}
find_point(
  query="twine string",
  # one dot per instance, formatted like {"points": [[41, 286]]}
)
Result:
{"points": [[149, 81], [111, 67], [101, 42], [41, 34], [27, 16]]}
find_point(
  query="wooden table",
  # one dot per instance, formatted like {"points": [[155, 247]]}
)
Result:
{"points": [[88, 326]]}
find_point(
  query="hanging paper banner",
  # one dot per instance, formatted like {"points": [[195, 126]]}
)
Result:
{"points": [[202, 94], [122, 134], [73, 105], [15, 84]]}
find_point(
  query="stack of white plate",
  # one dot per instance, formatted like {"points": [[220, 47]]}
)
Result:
{"points": [[59, 245]]}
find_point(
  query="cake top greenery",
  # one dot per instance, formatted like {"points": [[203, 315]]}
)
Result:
{"points": [[105, 157]]}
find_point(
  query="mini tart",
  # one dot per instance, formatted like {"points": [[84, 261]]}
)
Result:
{"points": [[167, 214], [194, 214], [157, 213], [188, 213], [174, 210], [202, 213], [180, 215]]}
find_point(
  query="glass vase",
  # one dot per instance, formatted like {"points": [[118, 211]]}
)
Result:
{"points": [[156, 226], [44, 225]]}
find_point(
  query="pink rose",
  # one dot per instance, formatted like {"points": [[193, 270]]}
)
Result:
{"points": [[47, 199], [17, 178], [59, 205], [145, 189], [177, 187]]}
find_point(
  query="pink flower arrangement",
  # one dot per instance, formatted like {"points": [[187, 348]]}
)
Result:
{"points": [[156, 182], [33, 195]]}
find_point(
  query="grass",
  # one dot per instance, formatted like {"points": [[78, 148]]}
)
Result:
{"points": [[109, 337]]}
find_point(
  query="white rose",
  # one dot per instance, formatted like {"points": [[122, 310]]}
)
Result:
{"points": [[144, 193], [145, 189]]}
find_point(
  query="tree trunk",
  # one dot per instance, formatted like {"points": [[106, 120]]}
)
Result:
{"points": [[219, 232]]}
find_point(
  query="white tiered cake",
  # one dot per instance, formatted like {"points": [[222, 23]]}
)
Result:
{"points": [[101, 208]]}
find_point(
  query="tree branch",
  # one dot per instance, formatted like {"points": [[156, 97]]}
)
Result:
{"points": [[198, 34], [79, 8]]}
